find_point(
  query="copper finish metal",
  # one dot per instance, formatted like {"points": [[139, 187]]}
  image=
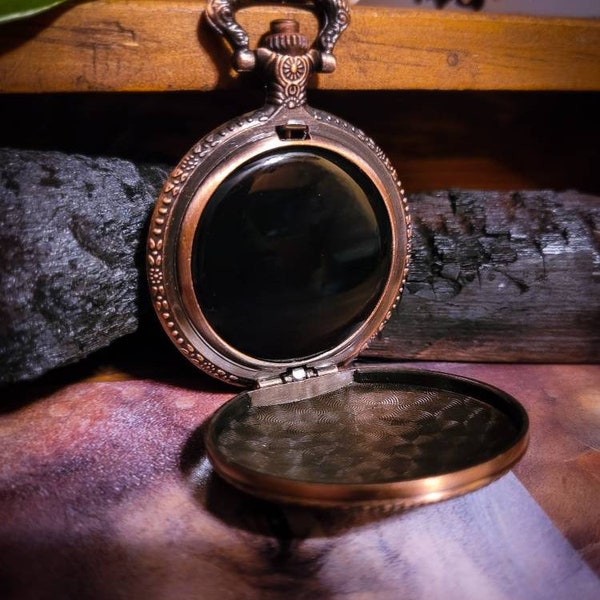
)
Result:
{"points": [[309, 433], [334, 17], [190, 186], [246, 366]]}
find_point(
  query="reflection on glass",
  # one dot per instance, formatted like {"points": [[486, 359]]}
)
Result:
{"points": [[291, 253]]}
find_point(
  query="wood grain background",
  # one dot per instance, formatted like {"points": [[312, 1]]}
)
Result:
{"points": [[142, 46]]}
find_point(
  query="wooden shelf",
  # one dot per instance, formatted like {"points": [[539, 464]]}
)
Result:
{"points": [[160, 45]]}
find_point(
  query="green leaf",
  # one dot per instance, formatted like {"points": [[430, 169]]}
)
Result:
{"points": [[10, 10]]}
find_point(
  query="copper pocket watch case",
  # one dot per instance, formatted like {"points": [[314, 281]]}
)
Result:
{"points": [[277, 249]]}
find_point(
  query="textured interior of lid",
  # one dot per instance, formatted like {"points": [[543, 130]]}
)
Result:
{"points": [[368, 433]]}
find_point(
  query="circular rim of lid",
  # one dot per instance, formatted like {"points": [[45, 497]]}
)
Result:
{"points": [[177, 214], [401, 493]]}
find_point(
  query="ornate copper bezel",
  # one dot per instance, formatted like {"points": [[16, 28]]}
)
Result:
{"points": [[186, 193]]}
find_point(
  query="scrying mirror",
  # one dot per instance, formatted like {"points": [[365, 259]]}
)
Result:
{"points": [[291, 253]]}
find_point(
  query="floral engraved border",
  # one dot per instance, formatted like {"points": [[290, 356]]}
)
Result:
{"points": [[176, 182], [155, 255]]}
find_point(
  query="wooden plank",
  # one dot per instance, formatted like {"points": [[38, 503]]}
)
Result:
{"points": [[495, 276], [105, 490], [140, 45]]}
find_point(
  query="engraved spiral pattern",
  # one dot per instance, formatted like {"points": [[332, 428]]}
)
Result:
{"points": [[367, 433]]}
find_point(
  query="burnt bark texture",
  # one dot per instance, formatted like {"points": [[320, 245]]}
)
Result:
{"points": [[495, 276], [500, 276]]}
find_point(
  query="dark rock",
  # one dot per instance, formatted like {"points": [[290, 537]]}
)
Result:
{"points": [[71, 238]]}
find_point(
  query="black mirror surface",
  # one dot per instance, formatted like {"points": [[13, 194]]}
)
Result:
{"points": [[291, 254]]}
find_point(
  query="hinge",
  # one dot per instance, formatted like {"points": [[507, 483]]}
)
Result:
{"points": [[297, 374]]}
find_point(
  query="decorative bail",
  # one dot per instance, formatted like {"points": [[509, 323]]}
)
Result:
{"points": [[334, 17]]}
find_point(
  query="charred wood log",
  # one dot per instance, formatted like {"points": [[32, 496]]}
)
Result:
{"points": [[500, 276], [72, 274]]}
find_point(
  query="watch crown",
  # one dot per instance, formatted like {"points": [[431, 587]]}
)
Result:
{"points": [[285, 38]]}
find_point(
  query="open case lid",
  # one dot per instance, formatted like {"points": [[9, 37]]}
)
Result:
{"points": [[277, 249], [368, 436]]}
